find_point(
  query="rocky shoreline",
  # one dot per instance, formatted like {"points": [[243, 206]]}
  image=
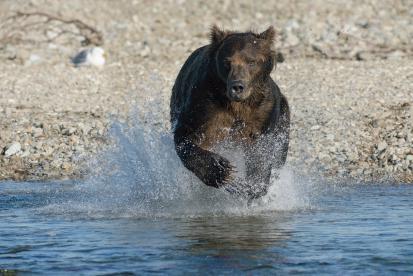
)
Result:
{"points": [[351, 101]]}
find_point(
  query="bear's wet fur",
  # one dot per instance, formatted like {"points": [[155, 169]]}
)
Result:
{"points": [[224, 90]]}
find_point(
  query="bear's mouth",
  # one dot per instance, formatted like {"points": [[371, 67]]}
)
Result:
{"points": [[237, 97]]}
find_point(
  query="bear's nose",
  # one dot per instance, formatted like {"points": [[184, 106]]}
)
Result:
{"points": [[237, 87]]}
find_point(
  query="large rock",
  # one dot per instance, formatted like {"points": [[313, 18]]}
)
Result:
{"points": [[13, 149]]}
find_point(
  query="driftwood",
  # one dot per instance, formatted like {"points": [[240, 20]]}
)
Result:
{"points": [[333, 51], [15, 28]]}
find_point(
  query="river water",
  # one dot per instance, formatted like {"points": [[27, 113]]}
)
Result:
{"points": [[140, 212]]}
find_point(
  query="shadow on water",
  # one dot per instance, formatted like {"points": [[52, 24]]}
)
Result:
{"points": [[234, 243], [244, 234]]}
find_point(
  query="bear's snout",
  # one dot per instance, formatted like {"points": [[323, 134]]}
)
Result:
{"points": [[236, 90], [237, 87]]}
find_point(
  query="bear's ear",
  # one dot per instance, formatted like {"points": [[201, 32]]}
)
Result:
{"points": [[217, 35], [268, 34]]}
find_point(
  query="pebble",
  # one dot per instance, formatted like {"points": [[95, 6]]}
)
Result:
{"points": [[33, 59], [84, 128], [37, 132], [68, 131], [13, 149], [145, 51], [66, 166], [381, 146]]}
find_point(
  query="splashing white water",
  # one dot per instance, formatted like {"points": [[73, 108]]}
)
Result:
{"points": [[142, 176]]}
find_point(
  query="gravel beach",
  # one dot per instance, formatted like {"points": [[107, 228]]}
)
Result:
{"points": [[348, 76]]}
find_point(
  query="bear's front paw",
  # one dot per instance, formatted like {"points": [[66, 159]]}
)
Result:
{"points": [[219, 172]]}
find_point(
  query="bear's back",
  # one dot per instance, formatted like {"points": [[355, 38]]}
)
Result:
{"points": [[192, 73]]}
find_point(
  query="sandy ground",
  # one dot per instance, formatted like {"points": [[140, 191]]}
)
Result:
{"points": [[348, 75]]}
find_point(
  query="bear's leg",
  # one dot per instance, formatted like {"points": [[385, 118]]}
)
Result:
{"points": [[278, 134], [281, 140], [270, 151], [213, 169], [258, 170], [267, 155]]}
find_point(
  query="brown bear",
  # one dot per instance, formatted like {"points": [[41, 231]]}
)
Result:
{"points": [[224, 90]]}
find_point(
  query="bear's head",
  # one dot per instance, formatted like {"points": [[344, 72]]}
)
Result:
{"points": [[243, 60]]}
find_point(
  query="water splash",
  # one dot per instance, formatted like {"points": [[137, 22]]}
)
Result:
{"points": [[142, 176]]}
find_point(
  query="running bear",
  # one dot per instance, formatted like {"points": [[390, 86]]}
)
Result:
{"points": [[225, 91]]}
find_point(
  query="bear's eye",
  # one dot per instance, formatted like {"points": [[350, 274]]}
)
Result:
{"points": [[252, 63]]}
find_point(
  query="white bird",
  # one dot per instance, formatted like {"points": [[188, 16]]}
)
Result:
{"points": [[94, 56]]}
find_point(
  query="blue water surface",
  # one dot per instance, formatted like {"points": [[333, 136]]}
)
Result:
{"points": [[55, 228]]}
